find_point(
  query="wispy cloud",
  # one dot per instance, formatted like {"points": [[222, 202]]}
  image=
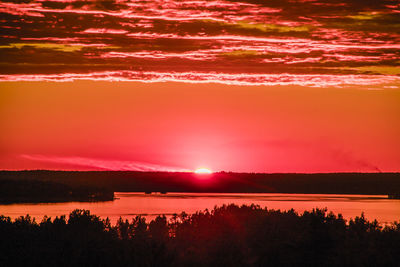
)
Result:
{"points": [[103, 164]]}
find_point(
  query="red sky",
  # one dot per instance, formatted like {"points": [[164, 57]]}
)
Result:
{"points": [[255, 86], [180, 126]]}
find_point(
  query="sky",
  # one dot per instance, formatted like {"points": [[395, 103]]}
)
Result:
{"points": [[244, 86]]}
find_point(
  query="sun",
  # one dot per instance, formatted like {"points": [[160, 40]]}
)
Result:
{"points": [[203, 171]]}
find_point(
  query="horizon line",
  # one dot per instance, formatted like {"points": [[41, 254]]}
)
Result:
{"points": [[214, 172]]}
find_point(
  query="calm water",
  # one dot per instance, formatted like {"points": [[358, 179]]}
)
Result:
{"points": [[128, 205]]}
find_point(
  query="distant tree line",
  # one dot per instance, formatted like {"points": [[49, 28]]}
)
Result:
{"points": [[226, 236], [222, 182]]}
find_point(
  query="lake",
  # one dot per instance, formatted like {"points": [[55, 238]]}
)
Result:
{"points": [[129, 205]]}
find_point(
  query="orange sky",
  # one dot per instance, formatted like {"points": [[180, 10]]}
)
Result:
{"points": [[246, 85], [181, 126]]}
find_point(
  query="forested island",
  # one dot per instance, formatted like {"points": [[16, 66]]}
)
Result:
{"points": [[226, 236], [36, 191]]}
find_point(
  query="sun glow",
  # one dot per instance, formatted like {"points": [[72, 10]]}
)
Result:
{"points": [[203, 171]]}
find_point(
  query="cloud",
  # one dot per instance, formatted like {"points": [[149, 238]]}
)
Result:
{"points": [[316, 80], [348, 159], [215, 36], [103, 164], [317, 154]]}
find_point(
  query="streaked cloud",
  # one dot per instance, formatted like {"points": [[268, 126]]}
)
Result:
{"points": [[314, 80]]}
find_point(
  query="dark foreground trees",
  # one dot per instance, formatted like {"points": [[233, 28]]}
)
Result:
{"points": [[227, 236]]}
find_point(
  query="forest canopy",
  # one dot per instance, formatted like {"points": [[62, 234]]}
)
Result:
{"points": [[226, 236]]}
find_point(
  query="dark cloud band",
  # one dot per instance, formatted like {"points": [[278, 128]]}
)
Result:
{"points": [[218, 39]]}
